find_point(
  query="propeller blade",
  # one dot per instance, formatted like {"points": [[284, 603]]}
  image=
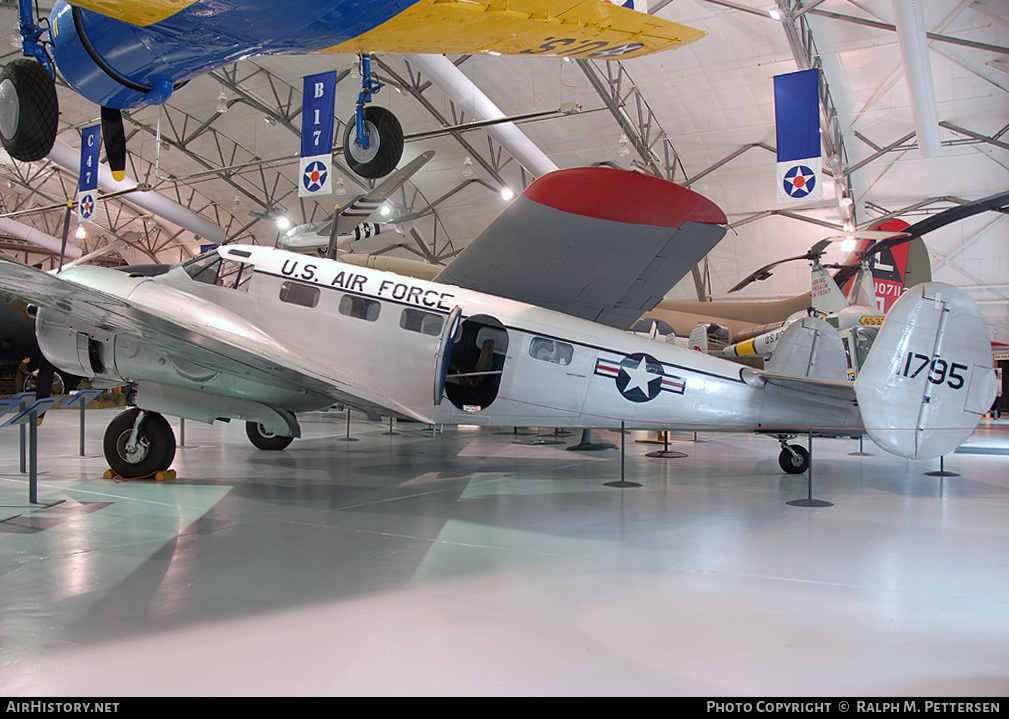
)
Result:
{"points": [[993, 203], [764, 272], [865, 235], [115, 142], [815, 252]]}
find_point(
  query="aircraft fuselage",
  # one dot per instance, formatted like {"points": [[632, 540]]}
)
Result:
{"points": [[507, 363]]}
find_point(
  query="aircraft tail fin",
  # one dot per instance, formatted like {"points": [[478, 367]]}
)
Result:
{"points": [[928, 378], [699, 339], [826, 297]]}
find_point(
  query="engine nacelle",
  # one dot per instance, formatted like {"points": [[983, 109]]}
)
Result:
{"points": [[110, 360], [77, 349]]}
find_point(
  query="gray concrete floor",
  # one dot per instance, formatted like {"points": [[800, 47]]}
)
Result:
{"points": [[477, 562]]}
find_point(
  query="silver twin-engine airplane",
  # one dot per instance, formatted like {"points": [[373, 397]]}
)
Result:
{"points": [[262, 334]]}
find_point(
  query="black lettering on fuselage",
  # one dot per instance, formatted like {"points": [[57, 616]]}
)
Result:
{"points": [[349, 281], [400, 291], [428, 301]]}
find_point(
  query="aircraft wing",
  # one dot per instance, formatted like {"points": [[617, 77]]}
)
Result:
{"points": [[317, 236], [570, 28], [594, 242], [187, 327]]}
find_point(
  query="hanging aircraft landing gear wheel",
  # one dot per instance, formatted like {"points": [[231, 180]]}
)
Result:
{"points": [[29, 110], [152, 452], [796, 463], [264, 439], [385, 143]]}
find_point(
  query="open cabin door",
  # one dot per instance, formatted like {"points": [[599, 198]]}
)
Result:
{"points": [[448, 338], [471, 362]]}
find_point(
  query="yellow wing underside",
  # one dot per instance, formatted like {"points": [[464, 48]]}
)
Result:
{"points": [[549, 28], [569, 28], [135, 12]]}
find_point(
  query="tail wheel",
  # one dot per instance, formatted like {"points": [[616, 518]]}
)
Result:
{"points": [[385, 143], [153, 450], [794, 459], [29, 110], [264, 439]]}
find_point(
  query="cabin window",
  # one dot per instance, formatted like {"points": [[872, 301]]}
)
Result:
{"points": [[296, 293], [551, 351], [359, 307], [426, 323]]}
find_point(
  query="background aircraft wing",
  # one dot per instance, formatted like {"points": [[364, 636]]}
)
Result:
{"points": [[595, 242], [572, 28], [318, 236], [186, 327], [544, 28]]}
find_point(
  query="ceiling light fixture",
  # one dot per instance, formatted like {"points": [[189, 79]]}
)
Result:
{"points": [[623, 147]]}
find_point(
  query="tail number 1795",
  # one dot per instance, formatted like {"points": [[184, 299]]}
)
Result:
{"points": [[939, 370]]}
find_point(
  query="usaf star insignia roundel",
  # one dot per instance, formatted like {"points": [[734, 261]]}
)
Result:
{"points": [[640, 377]]}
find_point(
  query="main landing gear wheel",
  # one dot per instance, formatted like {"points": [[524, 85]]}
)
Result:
{"points": [[29, 110], [264, 439], [385, 143], [153, 450], [794, 458]]}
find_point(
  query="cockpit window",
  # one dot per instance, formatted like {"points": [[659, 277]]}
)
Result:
{"points": [[212, 269], [204, 268]]}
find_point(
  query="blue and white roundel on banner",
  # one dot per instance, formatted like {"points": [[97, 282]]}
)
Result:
{"points": [[799, 181], [86, 206], [314, 177]]}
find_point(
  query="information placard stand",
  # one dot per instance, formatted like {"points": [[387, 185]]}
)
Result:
{"points": [[28, 418], [80, 398]]}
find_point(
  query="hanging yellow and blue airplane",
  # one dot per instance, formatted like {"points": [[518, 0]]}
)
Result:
{"points": [[125, 54]]}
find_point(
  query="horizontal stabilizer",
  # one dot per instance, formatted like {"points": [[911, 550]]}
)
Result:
{"points": [[809, 348], [928, 377]]}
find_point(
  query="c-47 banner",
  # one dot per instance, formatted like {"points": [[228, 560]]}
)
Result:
{"points": [[87, 188], [318, 106], [797, 129]]}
